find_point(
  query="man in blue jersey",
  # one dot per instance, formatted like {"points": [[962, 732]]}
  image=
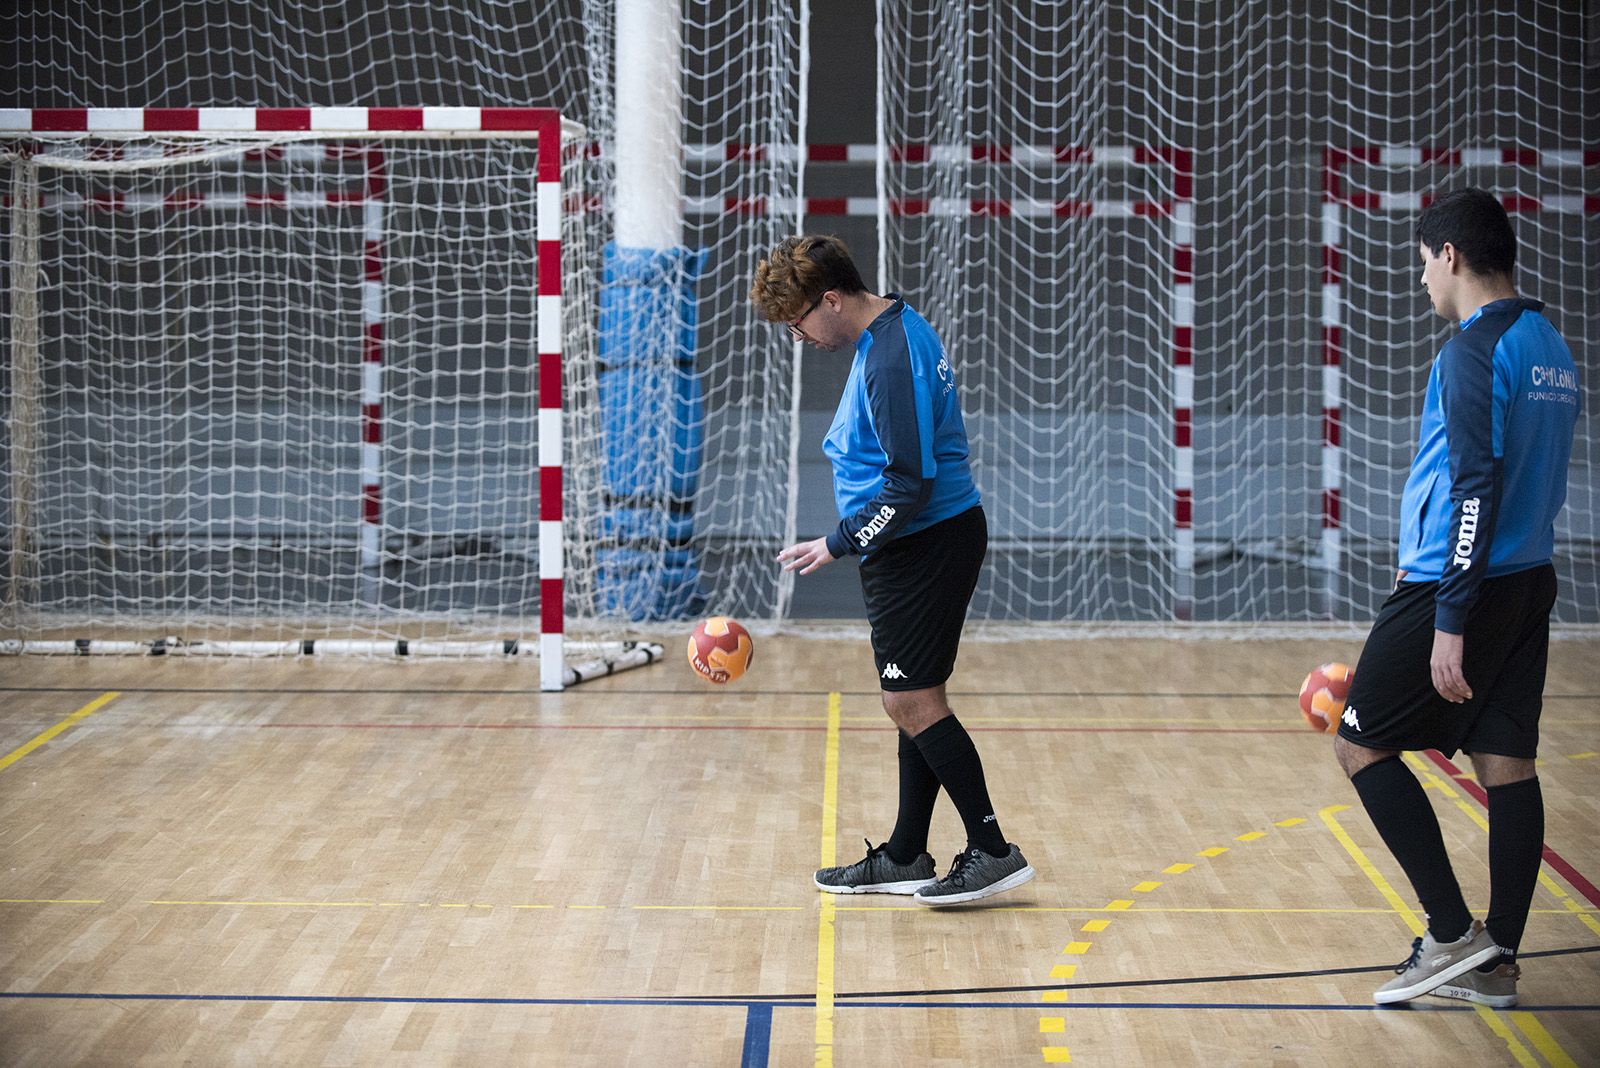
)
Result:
{"points": [[1456, 658], [909, 509]]}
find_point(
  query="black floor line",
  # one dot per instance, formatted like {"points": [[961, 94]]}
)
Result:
{"points": [[1111, 985], [692, 694]]}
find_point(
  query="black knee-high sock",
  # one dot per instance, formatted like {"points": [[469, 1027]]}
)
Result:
{"points": [[1400, 811], [949, 751], [1516, 842], [919, 789]]}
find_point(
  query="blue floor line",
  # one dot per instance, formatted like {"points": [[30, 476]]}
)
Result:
{"points": [[760, 1010], [757, 1036]]}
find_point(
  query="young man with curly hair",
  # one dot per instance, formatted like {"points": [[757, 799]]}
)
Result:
{"points": [[908, 507]]}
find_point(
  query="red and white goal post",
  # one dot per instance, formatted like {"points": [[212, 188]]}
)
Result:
{"points": [[1371, 197], [290, 381]]}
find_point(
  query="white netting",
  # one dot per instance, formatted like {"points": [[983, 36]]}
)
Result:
{"points": [[742, 85], [1558, 258], [1059, 311], [459, 519], [213, 453], [1061, 298], [1063, 324]]}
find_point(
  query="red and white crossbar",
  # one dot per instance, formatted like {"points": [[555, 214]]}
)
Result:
{"points": [[697, 207], [694, 207], [1177, 162], [1334, 160], [1336, 201], [930, 152], [278, 123], [867, 207], [1178, 207]]}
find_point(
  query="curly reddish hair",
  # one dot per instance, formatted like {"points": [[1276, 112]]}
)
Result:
{"points": [[798, 271]]}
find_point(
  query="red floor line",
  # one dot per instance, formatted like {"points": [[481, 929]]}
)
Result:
{"points": [[1551, 857], [529, 727], [752, 727], [1128, 730]]}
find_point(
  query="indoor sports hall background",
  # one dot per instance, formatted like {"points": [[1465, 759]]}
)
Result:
{"points": [[1169, 248], [278, 391]]}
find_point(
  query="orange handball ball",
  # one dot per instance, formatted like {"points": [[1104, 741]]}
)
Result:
{"points": [[720, 649], [1323, 694]]}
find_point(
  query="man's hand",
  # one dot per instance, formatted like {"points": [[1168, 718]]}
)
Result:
{"points": [[807, 556], [1446, 665]]}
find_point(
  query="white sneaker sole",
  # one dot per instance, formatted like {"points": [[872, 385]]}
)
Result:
{"points": [[1437, 979], [1466, 993], [1010, 882], [910, 886]]}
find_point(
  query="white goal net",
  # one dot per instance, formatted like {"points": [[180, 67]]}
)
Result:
{"points": [[274, 388], [1168, 245], [1172, 247]]}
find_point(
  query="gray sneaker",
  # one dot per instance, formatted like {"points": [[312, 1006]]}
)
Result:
{"points": [[1432, 964], [1496, 989], [976, 874], [877, 873]]}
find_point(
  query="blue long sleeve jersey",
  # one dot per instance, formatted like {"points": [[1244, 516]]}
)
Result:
{"points": [[1490, 474], [897, 443]]}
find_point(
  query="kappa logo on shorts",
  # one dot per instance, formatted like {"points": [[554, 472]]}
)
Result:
{"points": [[892, 671], [1350, 719]]}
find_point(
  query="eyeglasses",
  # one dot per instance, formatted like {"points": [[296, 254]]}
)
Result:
{"points": [[794, 328]]}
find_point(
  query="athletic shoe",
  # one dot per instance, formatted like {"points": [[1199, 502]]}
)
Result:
{"points": [[1432, 964], [976, 874], [1496, 989], [877, 873]]}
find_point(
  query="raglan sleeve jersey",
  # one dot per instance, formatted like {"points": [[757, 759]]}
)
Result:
{"points": [[898, 445], [1490, 475]]}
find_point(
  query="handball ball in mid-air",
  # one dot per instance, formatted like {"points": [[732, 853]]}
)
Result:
{"points": [[1323, 694], [720, 649]]}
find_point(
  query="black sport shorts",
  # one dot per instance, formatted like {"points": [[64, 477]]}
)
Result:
{"points": [[917, 588], [1393, 704]]}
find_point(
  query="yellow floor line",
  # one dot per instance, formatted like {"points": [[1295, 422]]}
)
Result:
{"points": [[825, 912], [285, 904], [40, 739], [716, 908], [1572, 904], [1498, 1026], [1430, 781], [1516, 1048], [51, 901], [1573, 907], [1474, 812], [1396, 903], [1542, 1040], [1055, 1025]]}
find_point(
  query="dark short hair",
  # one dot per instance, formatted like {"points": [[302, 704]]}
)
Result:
{"points": [[1476, 224]]}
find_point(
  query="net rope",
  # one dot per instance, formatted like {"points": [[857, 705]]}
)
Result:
{"points": [[1014, 225]]}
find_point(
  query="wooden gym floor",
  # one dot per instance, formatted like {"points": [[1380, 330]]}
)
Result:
{"points": [[421, 864]]}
